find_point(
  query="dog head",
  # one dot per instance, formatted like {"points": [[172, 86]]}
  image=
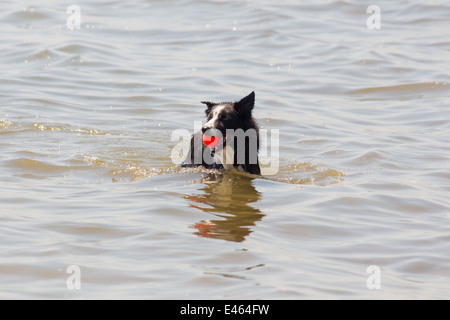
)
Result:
{"points": [[229, 115]]}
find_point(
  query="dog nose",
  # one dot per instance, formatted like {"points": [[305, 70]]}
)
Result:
{"points": [[211, 131]]}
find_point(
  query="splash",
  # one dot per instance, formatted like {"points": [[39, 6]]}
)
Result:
{"points": [[305, 173], [308, 173], [92, 132], [5, 123]]}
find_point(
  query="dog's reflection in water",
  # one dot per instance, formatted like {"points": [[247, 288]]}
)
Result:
{"points": [[227, 196]]}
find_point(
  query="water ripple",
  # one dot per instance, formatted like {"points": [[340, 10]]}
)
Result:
{"points": [[86, 118]]}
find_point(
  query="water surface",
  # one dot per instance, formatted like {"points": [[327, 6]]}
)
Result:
{"points": [[86, 118]]}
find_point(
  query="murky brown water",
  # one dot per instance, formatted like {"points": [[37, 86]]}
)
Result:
{"points": [[86, 118]]}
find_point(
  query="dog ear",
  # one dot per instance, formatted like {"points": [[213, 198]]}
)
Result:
{"points": [[209, 106], [245, 106]]}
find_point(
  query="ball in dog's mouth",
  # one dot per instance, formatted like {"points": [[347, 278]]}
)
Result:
{"points": [[211, 141]]}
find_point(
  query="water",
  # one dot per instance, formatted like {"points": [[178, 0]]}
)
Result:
{"points": [[86, 118]]}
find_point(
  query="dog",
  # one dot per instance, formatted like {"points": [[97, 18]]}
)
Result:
{"points": [[229, 139]]}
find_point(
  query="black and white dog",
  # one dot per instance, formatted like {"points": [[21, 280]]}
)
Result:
{"points": [[229, 139]]}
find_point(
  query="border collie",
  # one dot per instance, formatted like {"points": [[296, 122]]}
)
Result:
{"points": [[229, 139]]}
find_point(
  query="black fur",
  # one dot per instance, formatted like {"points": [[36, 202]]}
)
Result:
{"points": [[220, 117]]}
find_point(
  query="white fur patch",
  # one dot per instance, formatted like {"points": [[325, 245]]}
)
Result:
{"points": [[215, 116]]}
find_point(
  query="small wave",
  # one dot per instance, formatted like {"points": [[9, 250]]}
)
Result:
{"points": [[129, 172], [307, 173], [73, 48], [5, 123], [45, 128], [92, 132], [36, 166], [42, 55], [133, 173], [27, 14], [97, 162], [405, 88]]}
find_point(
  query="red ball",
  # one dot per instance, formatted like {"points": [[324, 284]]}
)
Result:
{"points": [[210, 141]]}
